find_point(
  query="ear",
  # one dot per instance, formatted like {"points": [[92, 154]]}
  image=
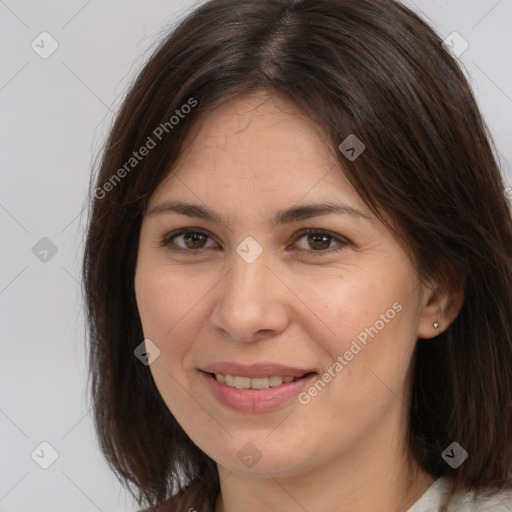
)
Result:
{"points": [[441, 303]]}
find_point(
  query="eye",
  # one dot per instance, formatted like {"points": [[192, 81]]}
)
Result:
{"points": [[191, 240], [320, 241]]}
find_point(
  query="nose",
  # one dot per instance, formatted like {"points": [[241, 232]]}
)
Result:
{"points": [[251, 301]]}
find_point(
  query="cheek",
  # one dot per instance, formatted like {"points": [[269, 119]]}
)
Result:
{"points": [[151, 302], [165, 298], [351, 307], [166, 307], [366, 329], [173, 309]]}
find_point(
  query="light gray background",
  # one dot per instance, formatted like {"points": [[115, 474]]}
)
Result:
{"points": [[55, 115]]}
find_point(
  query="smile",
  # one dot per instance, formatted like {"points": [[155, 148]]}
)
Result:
{"points": [[256, 394], [255, 383]]}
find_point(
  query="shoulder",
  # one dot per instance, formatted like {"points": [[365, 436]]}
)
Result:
{"points": [[483, 501], [497, 501]]}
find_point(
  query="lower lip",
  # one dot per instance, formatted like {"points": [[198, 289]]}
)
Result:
{"points": [[255, 400]]}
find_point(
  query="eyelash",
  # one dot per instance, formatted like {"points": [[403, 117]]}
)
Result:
{"points": [[167, 240]]}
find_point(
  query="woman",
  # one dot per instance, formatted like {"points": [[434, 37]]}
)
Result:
{"points": [[298, 269]]}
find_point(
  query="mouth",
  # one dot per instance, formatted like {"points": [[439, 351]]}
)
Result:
{"points": [[258, 389], [272, 381]]}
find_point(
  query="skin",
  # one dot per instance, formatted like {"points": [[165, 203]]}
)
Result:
{"points": [[344, 450]]}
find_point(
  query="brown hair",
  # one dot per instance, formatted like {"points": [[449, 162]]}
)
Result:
{"points": [[371, 68]]}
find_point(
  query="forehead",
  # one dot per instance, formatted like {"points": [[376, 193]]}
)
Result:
{"points": [[259, 150]]}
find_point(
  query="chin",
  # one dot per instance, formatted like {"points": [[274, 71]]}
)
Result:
{"points": [[259, 459]]}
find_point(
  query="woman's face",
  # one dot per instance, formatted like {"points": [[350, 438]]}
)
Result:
{"points": [[245, 292]]}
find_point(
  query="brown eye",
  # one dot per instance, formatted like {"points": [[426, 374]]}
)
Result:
{"points": [[320, 241], [186, 240], [195, 240]]}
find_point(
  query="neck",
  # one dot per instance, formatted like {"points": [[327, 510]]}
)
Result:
{"points": [[373, 474], [318, 492]]}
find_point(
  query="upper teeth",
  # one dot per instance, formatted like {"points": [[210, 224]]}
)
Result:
{"points": [[256, 383]]}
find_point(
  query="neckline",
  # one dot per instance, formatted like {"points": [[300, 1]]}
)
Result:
{"points": [[432, 497]]}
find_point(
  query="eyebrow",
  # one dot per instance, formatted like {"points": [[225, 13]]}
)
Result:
{"points": [[286, 216]]}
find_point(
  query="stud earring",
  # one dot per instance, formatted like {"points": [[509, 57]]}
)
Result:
{"points": [[436, 326]]}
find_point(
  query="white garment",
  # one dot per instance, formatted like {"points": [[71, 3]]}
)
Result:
{"points": [[462, 502]]}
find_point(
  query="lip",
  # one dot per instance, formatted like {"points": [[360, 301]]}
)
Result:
{"points": [[256, 370], [255, 400]]}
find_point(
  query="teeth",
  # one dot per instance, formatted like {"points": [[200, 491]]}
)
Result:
{"points": [[255, 383], [242, 382], [275, 381]]}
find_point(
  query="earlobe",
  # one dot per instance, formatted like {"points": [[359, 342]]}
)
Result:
{"points": [[441, 307]]}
